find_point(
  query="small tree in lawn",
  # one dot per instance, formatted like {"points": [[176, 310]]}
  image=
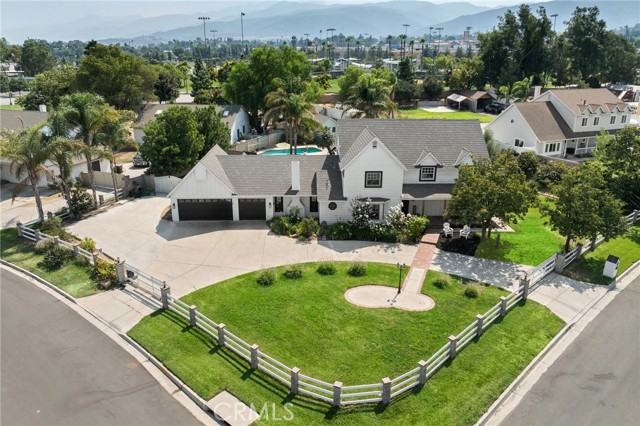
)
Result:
{"points": [[585, 207], [491, 189]]}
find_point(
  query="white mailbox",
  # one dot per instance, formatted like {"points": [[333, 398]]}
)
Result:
{"points": [[611, 266]]}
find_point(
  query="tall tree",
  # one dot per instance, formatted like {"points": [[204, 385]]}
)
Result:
{"points": [[491, 189], [36, 57], [586, 35], [167, 87], [585, 207], [123, 80], [84, 114], [371, 97], [28, 151], [348, 79], [47, 88], [172, 142], [212, 128], [620, 155], [200, 79]]}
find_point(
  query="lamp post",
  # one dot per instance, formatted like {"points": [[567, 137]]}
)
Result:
{"points": [[554, 16], [204, 20], [241, 35], [400, 269], [404, 42], [439, 37]]}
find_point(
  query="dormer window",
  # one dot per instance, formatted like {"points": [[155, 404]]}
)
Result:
{"points": [[613, 119], [584, 122], [596, 121], [427, 173]]}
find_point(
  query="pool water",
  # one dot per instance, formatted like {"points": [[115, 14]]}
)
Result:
{"points": [[285, 151]]}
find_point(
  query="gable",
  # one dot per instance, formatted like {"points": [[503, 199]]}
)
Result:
{"points": [[428, 159]]}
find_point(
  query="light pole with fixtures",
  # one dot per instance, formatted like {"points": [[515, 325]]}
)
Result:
{"points": [[439, 38], [204, 20], [400, 268]]}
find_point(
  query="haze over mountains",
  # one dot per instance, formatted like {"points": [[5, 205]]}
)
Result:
{"points": [[126, 21]]}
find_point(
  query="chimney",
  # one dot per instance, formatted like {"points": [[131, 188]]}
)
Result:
{"points": [[42, 108], [536, 91], [295, 176]]}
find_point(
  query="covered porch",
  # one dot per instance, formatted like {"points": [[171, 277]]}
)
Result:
{"points": [[426, 199], [580, 147]]}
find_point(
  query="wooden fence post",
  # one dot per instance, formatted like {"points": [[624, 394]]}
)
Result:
{"points": [[37, 235], [525, 288], [95, 257], [453, 347], [560, 261], [164, 296], [479, 325], [422, 373], [254, 356], [503, 306], [193, 320], [295, 380], [121, 271], [56, 240], [386, 390], [19, 228], [221, 338], [337, 394]]}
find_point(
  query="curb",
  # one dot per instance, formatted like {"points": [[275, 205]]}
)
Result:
{"points": [[561, 334], [201, 403]]}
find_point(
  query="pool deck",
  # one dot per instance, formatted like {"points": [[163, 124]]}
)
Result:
{"points": [[285, 151]]}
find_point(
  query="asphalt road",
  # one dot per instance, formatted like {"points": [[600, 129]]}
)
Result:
{"points": [[596, 381], [58, 369]]}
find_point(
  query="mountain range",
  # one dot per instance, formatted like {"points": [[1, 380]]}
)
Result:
{"points": [[271, 19]]}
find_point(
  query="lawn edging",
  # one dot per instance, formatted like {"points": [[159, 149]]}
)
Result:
{"points": [[550, 346]]}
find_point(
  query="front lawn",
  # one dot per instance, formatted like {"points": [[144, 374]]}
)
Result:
{"points": [[307, 323], [414, 113], [11, 107], [531, 243], [73, 277], [333, 86], [590, 266]]}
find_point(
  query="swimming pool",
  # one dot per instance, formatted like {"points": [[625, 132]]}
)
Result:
{"points": [[285, 151]]}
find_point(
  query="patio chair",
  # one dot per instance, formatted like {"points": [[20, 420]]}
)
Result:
{"points": [[447, 229], [465, 232]]}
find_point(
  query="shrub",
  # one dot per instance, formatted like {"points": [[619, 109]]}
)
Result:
{"points": [[53, 227], [281, 226], [471, 292], [550, 173], [88, 244], [416, 225], [42, 246], [307, 228], [361, 212], [357, 269], [395, 217], [293, 272], [383, 232], [266, 277], [104, 271], [326, 269], [80, 201], [528, 163], [441, 283], [55, 257], [339, 231]]}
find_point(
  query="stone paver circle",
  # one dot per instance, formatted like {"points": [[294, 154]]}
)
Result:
{"points": [[378, 296]]}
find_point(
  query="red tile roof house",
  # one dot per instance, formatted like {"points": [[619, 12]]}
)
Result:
{"points": [[561, 123], [389, 162]]}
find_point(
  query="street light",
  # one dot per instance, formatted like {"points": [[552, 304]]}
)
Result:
{"points": [[400, 268], [241, 35], [204, 20]]}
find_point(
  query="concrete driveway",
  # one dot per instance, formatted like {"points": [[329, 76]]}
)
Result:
{"points": [[23, 209], [192, 255]]}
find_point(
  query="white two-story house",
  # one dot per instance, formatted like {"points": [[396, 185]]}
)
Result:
{"points": [[561, 122], [387, 162]]}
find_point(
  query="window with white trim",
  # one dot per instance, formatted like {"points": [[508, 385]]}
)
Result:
{"points": [[613, 120], [428, 173], [623, 119], [375, 212], [552, 147], [596, 121], [518, 142], [585, 121], [373, 179]]}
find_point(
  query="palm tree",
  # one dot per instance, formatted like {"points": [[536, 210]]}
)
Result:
{"points": [[422, 42], [371, 97], [348, 40], [28, 150], [290, 102], [85, 113], [389, 38], [403, 39]]}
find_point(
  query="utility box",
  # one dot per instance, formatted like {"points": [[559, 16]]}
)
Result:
{"points": [[611, 266]]}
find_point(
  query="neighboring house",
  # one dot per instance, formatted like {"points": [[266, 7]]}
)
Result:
{"points": [[561, 122], [235, 117], [14, 121], [472, 100], [326, 122], [11, 69], [388, 162]]}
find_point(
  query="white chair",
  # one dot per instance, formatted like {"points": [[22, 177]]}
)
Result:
{"points": [[465, 232], [447, 229]]}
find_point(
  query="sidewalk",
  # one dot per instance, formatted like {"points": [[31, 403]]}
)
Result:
{"points": [[421, 264]]}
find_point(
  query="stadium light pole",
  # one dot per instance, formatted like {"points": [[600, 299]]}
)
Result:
{"points": [[204, 20]]}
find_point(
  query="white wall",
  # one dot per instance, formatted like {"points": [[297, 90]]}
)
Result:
{"points": [[374, 159], [242, 119], [342, 213], [447, 174], [199, 183], [505, 132], [138, 133]]}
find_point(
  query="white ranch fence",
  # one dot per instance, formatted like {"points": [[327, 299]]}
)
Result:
{"points": [[336, 393]]}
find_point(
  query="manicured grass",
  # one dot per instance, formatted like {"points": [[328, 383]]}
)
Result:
{"points": [[590, 266], [454, 115], [73, 277], [11, 107], [307, 323], [333, 88], [531, 243]]}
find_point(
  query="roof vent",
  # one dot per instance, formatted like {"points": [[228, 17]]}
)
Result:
{"points": [[375, 144], [225, 113]]}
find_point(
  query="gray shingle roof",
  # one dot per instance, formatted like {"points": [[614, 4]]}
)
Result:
{"points": [[256, 175], [408, 139], [579, 99], [10, 119], [151, 110]]}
